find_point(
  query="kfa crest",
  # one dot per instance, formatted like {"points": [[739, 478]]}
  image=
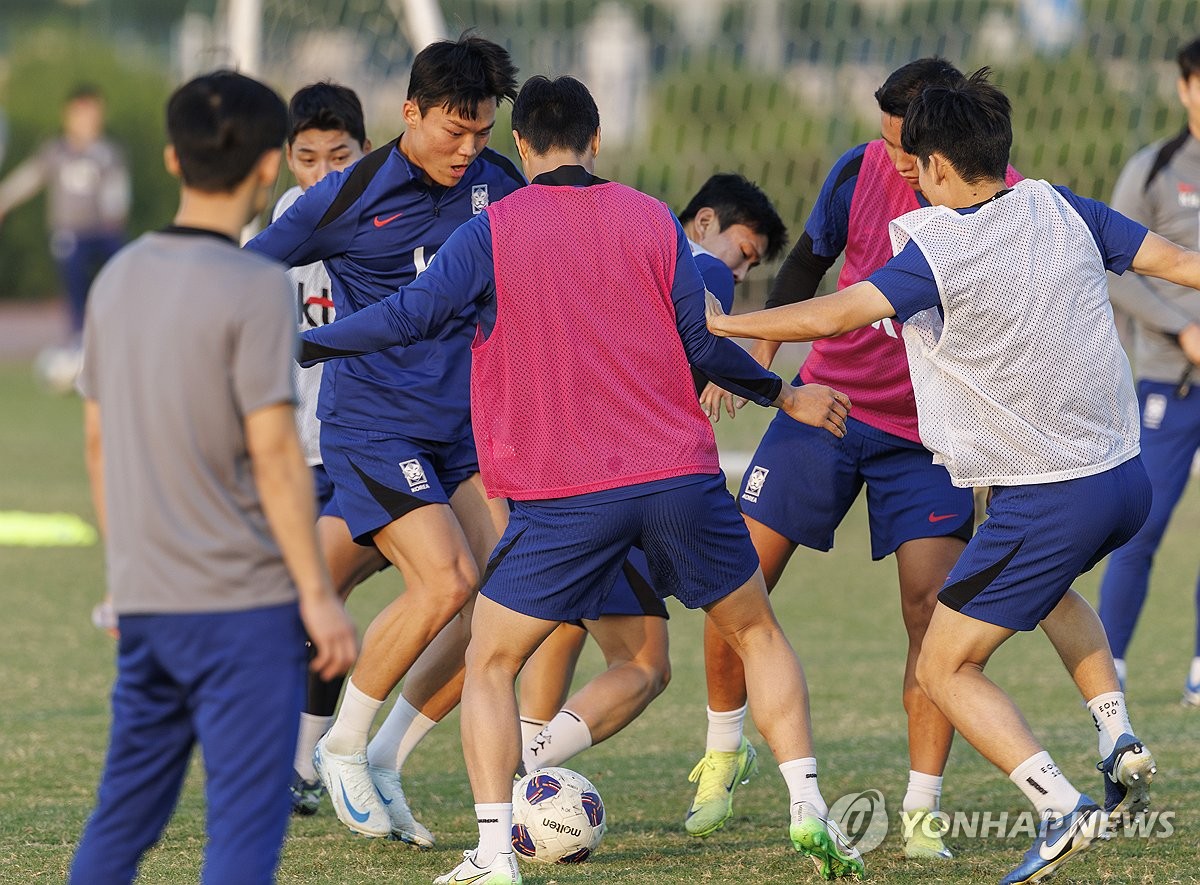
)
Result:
{"points": [[414, 473], [754, 483], [479, 198]]}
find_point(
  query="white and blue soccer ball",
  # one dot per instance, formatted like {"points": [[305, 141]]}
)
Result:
{"points": [[558, 817]]}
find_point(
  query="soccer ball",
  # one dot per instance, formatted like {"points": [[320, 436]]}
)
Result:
{"points": [[558, 817]]}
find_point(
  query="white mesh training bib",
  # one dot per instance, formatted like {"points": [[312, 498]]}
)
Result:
{"points": [[1024, 381]]}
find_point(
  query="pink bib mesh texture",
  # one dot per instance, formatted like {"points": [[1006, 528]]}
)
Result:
{"points": [[583, 384]]}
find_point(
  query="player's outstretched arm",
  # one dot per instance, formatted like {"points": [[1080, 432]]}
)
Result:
{"points": [[284, 484], [851, 308], [1159, 257]]}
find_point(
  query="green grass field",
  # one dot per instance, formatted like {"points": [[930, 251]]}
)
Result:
{"points": [[840, 610]]}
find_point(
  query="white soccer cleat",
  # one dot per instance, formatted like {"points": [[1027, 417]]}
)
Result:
{"points": [[405, 827], [501, 871], [352, 792]]}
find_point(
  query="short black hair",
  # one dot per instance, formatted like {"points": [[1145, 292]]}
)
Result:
{"points": [[84, 92], [558, 113], [737, 200], [906, 83], [970, 125], [329, 107], [460, 74], [1189, 60], [220, 125]]}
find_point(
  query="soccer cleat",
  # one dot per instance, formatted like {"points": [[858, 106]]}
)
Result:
{"points": [[405, 827], [1059, 839], [922, 832], [352, 792], [1128, 771], [501, 871], [831, 853], [716, 777], [306, 795]]}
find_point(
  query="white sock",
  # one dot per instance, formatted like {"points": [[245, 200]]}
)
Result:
{"points": [[1122, 671], [564, 736], [495, 831], [400, 733], [801, 778], [312, 728], [1044, 785], [348, 736], [1194, 672], [725, 730], [1111, 718], [924, 791], [530, 728]]}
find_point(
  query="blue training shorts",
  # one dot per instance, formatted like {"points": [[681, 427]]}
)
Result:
{"points": [[1038, 539], [559, 560], [379, 477], [803, 480]]}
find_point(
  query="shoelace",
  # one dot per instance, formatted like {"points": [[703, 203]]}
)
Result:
{"points": [[714, 785]]}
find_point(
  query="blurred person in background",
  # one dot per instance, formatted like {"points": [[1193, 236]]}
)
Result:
{"points": [[1160, 188], [87, 183]]}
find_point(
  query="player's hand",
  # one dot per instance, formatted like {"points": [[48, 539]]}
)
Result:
{"points": [[816, 405], [105, 618], [714, 398], [713, 313], [332, 634], [1189, 342]]}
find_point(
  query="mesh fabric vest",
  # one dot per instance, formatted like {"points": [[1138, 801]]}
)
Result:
{"points": [[870, 365], [583, 384], [1023, 381]]}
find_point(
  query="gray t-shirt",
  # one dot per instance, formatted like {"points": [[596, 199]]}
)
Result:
{"points": [[88, 188], [186, 334], [1170, 208]]}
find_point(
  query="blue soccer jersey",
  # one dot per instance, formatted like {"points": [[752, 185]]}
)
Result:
{"points": [[376, 226]]}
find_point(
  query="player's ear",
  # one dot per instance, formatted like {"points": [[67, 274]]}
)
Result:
{"points": [[366, 146], [171, 161], [268, 167], [703, 219], [411, 112], [595, 145], [522, 146]]}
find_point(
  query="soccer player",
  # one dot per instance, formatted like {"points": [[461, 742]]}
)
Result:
{"points": [[201, 489], [915, 511], [1022, 386], [326, 133], [395, 426], [87, 180], [586, 418], [731, 226], [1160, 187]]}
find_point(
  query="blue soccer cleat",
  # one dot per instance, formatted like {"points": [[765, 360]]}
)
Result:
{"points": [[1128, 771], [1059, 839]]}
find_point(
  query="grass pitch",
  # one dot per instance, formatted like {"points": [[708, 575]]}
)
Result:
{"points": [[840, 609]]}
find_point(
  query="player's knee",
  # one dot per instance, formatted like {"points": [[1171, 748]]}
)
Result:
{"points": [[930, 676]]}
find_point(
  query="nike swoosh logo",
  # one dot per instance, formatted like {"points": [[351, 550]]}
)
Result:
{"points": [[476, 878], [382, 798], [1050, 850], [380, 222], [935, 517], [360, 816]]}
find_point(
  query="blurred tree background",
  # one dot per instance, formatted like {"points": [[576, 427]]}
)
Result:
{"points": [[776, 89]]}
